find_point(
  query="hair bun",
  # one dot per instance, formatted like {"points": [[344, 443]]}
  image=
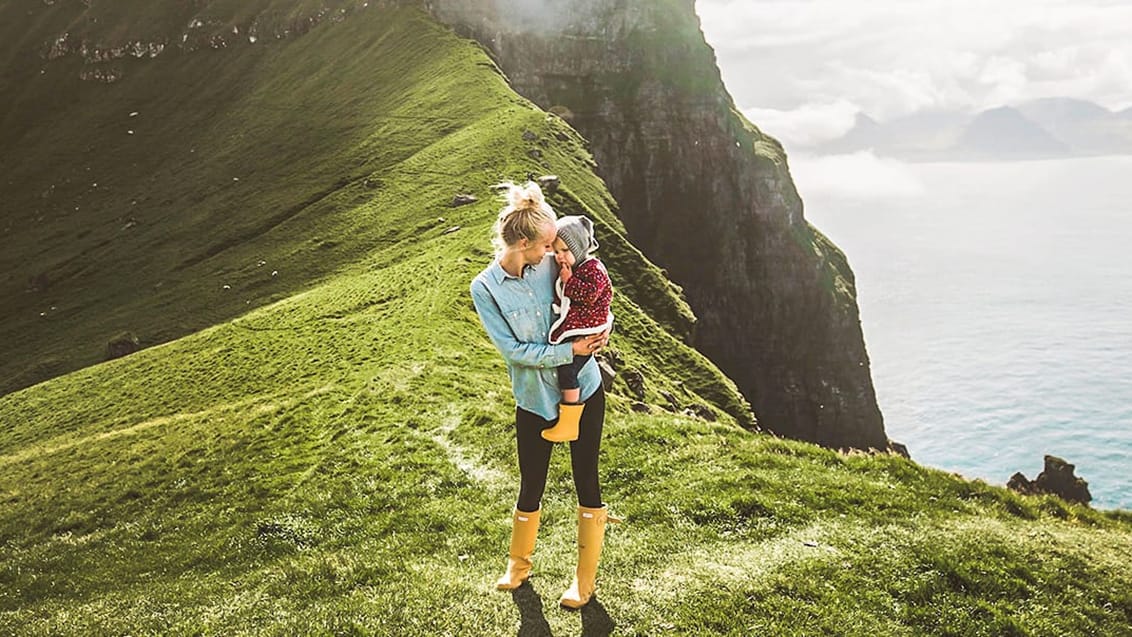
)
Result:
{"points": [[526, 197]]}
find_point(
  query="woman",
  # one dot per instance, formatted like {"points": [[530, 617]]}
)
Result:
{"points": [[513, 299]]}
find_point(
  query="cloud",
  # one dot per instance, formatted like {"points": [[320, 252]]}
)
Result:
{"points": [[892, 57], [859, 176], [808, 124]]}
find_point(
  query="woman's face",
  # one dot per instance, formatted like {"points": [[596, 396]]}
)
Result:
{"points": [[534, 251]]}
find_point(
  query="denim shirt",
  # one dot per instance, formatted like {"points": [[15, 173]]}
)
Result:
{"points": [[517, 316]]}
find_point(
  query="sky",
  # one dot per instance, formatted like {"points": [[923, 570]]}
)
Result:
{"points": [[803, 69]]}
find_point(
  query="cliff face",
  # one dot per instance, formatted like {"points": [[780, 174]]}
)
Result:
{"points": [[703, 193]]}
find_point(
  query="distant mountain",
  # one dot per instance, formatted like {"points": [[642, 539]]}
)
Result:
{"points": [[866, 133], [1049, 127], [1005, 133], [1052, 112], [1086, 127], [923, 134]]}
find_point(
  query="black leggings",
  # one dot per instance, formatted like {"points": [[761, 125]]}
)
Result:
{"points": [[534, 454]]}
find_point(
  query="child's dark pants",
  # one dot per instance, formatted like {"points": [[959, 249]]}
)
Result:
{"points": [[568, 373]]}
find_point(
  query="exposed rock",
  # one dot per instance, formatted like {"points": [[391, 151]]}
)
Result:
{"points": [[607, 374], [94, 44], [701, 411], [549, 184], [636, 382], [561, 111], [704, 194], [38, 282], [899, 449], [463, 200], [528, 136], [99, 74], [641, 408], [611, 357], [121, 345], [1021, 484], [1056, 479], [673, 404]]}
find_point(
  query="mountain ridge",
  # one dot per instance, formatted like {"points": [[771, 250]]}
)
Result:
{"points": [[1036, 129]]}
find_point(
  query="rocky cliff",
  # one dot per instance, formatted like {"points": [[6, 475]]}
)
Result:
{"points": [[703, 193]]}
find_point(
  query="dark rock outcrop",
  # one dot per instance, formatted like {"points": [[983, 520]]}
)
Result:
{"points": [[636, 382], [549, 184], [703, 193], [1056, 479], [899, 449], [701, 411], [121, 345]]}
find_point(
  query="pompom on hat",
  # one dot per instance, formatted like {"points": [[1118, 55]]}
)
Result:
{"points": [[577, 232]]}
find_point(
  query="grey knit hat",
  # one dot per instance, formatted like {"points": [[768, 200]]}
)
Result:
{"points": [[577, 232]]}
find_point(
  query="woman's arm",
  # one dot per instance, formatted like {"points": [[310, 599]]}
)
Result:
{"points": [[513, 350]]}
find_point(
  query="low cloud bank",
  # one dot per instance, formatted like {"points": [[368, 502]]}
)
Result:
{"points": [[858, 176]]}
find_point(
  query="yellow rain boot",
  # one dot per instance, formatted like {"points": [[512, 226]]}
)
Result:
{"points": [[591, 533], [566, 429], [524, 529]]}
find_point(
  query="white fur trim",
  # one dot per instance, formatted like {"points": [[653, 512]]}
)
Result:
{"points": [[562, 309], [585, 331]]}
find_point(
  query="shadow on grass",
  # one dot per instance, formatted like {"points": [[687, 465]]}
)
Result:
{"points": [[533, 621], [596, 622]]}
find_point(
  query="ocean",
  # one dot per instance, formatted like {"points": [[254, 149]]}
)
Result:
{"points": [[996, 302]]}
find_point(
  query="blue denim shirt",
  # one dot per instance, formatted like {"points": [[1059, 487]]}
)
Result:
{"points": [[517, 316]]}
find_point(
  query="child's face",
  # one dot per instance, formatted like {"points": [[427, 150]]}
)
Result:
{"points": [[562, 254]]}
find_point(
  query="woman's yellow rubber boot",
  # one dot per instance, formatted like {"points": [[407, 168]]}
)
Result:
{"points": [[524, 529], [566, 429], [591, 534]]}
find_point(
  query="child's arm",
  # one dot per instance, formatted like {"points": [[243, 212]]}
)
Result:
{"points": [[585, 287]]}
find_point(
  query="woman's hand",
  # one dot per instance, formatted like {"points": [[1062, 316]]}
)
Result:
{"points": [[590, 344]]}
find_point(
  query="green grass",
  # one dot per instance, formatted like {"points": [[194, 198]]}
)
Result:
{"points": [[328, 450]]}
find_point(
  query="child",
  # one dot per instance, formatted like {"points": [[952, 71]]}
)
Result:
{"points": [[582, 297]]}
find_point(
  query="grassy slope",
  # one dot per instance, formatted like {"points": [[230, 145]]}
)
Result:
{"points": [[336, 458]]}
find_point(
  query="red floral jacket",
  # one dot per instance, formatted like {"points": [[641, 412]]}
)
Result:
{"points": [[582, 304]]}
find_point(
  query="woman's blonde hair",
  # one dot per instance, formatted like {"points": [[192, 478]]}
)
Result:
{"points": [[524, 217]]}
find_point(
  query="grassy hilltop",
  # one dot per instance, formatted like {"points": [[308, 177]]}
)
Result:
{"points": [[316, 439]]}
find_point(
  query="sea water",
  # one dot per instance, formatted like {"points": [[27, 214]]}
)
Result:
{"points": [[996, 302]]}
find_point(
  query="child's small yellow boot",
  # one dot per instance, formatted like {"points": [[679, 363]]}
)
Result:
{"points": [[566, 429]]}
